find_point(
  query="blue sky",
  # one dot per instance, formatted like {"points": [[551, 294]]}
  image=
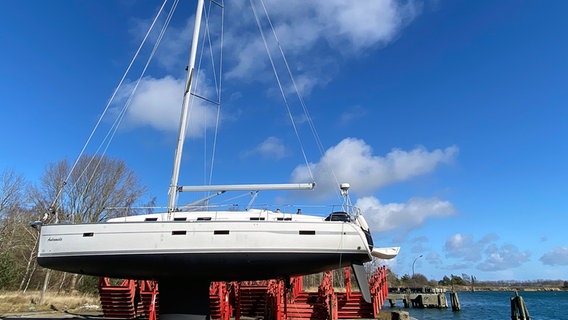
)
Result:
{"points": [[446, 117]]}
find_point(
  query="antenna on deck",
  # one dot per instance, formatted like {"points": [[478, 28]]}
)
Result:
{"points": [[344, 188]]}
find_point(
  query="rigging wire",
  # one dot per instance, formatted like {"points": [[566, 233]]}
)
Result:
{"points": [[111, 133], [107, 107], [297, 91], [294, 126], [219, 90], [217, 85], [197, 82], [216, 78]]}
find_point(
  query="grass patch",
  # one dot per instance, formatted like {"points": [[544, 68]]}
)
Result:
{"points": [[15, 301]]}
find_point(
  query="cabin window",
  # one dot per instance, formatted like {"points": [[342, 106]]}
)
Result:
{"points": [[257, 218], [284, 219], [88, 234], [151, 219], [221, 232], [177, 233], [307, 232], [204, 219], [180, 219]]}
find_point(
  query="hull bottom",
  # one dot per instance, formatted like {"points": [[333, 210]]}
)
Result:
{"points": [[208, 266]]}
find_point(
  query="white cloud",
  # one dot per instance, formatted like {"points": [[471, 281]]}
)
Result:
{"points": [[352, 161], [353, 113], [558, 256], [344, 25], [157, 104], [404, 216], [318, 30], [434, 258], [502, 258], [271, 148], [464, 247], [491, 256], [418, 245], [173, 51], [309, 28], [364, 23]]}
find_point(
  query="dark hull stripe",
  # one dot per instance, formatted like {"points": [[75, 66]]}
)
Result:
{"points": [[211, 266]]}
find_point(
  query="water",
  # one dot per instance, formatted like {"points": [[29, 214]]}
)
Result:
{"points": [[496, 305]]}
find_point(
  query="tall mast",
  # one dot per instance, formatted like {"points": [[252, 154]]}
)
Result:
{"points": [[172, 193]]}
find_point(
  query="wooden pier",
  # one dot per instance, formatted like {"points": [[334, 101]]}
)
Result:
{"points": [[420, 298]]}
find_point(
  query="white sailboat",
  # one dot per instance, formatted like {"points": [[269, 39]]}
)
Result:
{"points": [[211, 244]]}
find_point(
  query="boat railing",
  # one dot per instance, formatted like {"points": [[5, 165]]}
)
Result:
{"points": [[337, 212], [323, 210], [352, 210]]}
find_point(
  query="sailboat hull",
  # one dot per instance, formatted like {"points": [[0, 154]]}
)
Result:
{"points": [[215, 267], [212, 250]]}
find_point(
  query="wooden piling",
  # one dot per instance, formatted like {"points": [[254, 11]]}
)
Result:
{"points": [[519, 309], [406, 302], [392, 303], [455, 301]]}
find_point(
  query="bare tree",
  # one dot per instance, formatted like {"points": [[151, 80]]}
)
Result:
{"points": [[12, 186], [94, 189], [16, 241], [98, 188]]}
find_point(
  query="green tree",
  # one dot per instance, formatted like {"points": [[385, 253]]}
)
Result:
{"points": [[392, 279], [457, 280], [10, 271], [445, 281], [419, 280], [88, 284]]}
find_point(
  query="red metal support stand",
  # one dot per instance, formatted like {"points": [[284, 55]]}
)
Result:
{"points": [[327, 297], [297, 286], [220, 303], [347, 281], [118, 301], [379, 289], [147, 293], [270, 299], [153, 310], [276, 304]]}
